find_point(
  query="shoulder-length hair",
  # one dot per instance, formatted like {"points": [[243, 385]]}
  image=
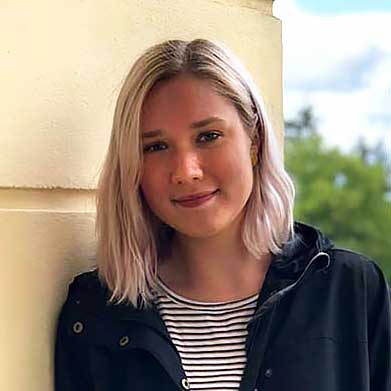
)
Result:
{"points": [[130, 239]]}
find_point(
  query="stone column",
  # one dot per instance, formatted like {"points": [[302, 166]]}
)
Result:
{"points": [[62, 64]]}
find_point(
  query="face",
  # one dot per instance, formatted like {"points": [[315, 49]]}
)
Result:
{"points": [[194, 142]]}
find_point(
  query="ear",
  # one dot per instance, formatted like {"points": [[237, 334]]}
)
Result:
{"points": [[254, 137], [254, 154]]}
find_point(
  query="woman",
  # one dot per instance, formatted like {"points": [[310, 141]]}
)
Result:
{"points": [[203, 280]]}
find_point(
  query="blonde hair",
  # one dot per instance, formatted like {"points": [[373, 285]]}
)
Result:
{"points": [[130, 239]]}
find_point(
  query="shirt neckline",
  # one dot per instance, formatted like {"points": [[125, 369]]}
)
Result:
{"points": [[185, 300]]}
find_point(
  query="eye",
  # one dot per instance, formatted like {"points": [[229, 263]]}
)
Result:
{"points": [[154, 147], [209, 136]]}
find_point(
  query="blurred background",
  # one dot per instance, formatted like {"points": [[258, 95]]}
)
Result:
{"points": [[337, 109]]}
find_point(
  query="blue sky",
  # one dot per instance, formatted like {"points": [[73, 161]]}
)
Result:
{"points": [[338, 6], [339, 63]]}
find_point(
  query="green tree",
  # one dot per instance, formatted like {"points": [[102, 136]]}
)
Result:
{"points": [[347, 195]]}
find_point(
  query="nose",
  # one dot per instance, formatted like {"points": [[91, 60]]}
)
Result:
{"points": [[186, 168]]}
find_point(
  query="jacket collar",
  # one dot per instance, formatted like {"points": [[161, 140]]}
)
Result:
{"points": [[297, 253], [300, 257]]}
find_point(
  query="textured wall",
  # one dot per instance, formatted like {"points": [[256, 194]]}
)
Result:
{"points": [[62, 64]]}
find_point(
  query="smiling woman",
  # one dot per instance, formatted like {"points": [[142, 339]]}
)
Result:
{"points": [[204, 149], [194, 125], [203, 280]]}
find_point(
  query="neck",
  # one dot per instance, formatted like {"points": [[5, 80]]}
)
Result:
{"points": [[214, 268]]}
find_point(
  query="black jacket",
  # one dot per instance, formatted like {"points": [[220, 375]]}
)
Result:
{"points": [[322, 323]]}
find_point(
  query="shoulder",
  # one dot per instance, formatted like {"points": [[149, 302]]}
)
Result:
{"points": [[87, 311], [351, 261], [359, 272], [87, 290], [86, 295], [86, 321], [89, 297], [87, 283]]}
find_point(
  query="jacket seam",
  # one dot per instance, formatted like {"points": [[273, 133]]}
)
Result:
{"points": [[333, 339]]}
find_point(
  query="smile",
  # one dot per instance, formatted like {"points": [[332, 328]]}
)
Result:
{"points": [[197, 201]]}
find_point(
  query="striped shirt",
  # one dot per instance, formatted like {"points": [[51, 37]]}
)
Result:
{"points": [[209, 336]]}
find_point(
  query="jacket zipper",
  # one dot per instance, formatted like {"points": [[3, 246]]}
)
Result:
{"points": [[279, 294], [271, 303]]}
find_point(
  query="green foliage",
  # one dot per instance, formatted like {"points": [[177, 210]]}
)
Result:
{"points": [[346, 195]]}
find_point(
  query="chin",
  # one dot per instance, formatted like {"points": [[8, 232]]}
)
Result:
{"points": [[205, 225], [202, 231]]}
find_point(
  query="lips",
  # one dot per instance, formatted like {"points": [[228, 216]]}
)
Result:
{"points": [[195, 196], [196, 199]]}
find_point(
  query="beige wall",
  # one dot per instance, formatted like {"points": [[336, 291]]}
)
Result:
{"points": [[62, 63]]}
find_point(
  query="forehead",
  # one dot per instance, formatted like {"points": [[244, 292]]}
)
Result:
{"points": [[184, 101]]}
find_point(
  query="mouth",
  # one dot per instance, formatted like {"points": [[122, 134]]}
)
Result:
{"points": [[195, 196], [197, 199]]}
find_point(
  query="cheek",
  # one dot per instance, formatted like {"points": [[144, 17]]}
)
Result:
{"points": [[151, 196], [238, 174], [153, 185], [149, 185], [237, 165], [149, 175]]}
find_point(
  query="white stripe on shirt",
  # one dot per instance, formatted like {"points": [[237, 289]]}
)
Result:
{"points": [[209, 336]]}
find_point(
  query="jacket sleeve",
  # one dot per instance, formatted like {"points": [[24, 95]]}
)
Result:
{"points": [[71, 362], [379, 328]]}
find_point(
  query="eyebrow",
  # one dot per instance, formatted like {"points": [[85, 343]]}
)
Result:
{"points": [[194, 125]]}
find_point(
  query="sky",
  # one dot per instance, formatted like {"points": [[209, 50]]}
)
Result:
{"points": [[343, 6], [337, 59]]}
